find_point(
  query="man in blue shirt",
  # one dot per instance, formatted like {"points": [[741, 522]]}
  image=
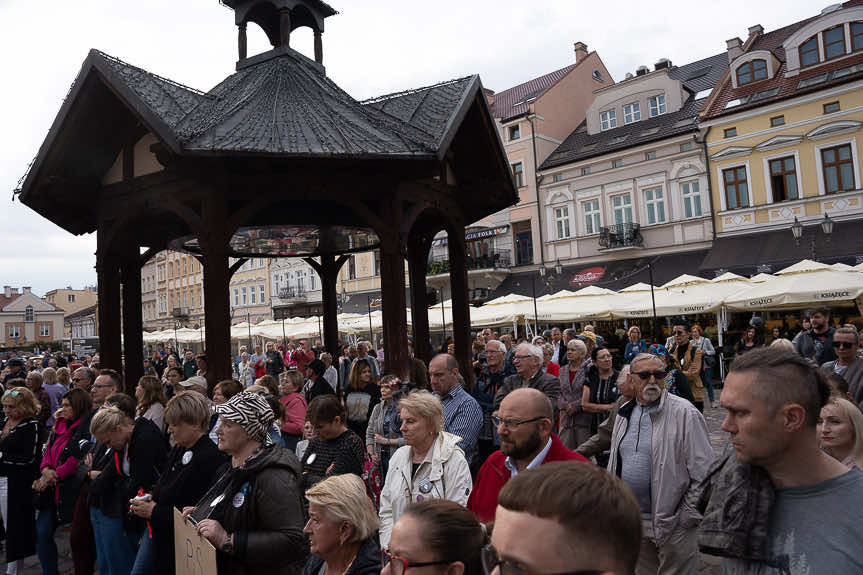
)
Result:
{"points": [[462, 415]]}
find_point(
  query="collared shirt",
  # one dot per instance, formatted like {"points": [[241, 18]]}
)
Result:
{"points": [[462, 416], [536, 462]]}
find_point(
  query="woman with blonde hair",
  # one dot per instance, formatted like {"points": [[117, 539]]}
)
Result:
{"points": [[635, 345], [64, 377], [151, 400], [841, 431], [429, 466], [341, 528]]}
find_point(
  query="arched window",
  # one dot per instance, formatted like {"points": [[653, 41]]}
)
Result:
{"points": [[751, 71], [809, 52]]}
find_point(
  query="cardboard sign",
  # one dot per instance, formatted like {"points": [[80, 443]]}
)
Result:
{"points": [[193, 555]]}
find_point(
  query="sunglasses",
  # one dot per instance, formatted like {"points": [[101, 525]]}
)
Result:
{"points": [[844, 344], [645, 375], [12, 392]]}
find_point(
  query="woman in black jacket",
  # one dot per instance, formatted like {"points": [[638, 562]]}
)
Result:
{"points": [[135, 462], [19, 467], [193, 466]]}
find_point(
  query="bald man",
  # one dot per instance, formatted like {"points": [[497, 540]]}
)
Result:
{"points": [[524, 424], [462, 414]]}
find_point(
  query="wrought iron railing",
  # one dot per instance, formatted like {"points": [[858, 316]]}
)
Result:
{"points": [[621, 236], [494, 259], [291, 292]]}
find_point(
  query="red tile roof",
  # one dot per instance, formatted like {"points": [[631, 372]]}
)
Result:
{"points": [[4, 301], [511, 103]]}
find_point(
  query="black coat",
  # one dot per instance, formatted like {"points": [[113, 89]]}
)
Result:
{"points": [[182, 485], [367, 562], [20, 456]]}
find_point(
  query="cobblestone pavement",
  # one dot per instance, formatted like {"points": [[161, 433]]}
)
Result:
{"points": [[709, 565]]}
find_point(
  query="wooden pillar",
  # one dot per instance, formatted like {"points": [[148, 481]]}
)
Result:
{"points": [[395, 320], [319, 48], [133, 336], [419, 245], [460, 308], [328, 271], [285, 27], [108, 277], [217, 277], [242, 43]]}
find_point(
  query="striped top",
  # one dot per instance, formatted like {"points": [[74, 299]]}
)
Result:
{"points": [[462, 416]]}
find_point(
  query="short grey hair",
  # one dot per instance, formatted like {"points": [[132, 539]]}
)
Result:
{"points": [[424, 405], [577, 344], [533, 350], [643, 357], [624, 372], [496, 343]]}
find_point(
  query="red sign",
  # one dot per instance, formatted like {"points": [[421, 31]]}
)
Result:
{"points": [[586, 277]]}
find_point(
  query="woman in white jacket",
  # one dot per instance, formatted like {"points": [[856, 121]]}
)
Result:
{"points": [[429, 466]]}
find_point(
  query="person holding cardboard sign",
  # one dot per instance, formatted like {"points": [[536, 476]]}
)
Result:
{"points": [[253, 514]]}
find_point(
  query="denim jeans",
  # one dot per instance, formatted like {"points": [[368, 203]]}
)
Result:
{"points": [[144, 558], [46, 547], [707, 377], [115, 549]]}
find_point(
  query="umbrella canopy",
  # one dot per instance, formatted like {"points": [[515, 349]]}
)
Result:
{"points": [[760, 278], [800, 285], [587, 303]]}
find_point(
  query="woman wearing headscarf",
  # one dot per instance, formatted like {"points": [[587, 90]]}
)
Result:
{"points": [[253, 514]]}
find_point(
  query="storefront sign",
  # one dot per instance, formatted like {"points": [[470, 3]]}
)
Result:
{"points": [[476, 235], [586, 277]]}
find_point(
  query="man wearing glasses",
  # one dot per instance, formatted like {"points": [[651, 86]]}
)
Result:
{"points": [[526, 442], [565, 518], [689, 358], [846, 343], [528, 366], [490, 380], [83, 378], [661, 448]]}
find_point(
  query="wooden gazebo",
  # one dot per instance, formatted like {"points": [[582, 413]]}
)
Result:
{"points": [[276, 160]]}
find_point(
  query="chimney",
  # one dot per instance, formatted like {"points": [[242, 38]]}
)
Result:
{"points": [[642, 71], [662, 64], [756, 30], [735, 48], [7, 291], [580, 51], [25, 290]]}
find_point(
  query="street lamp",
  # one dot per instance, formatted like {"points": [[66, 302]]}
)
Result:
{"points": [[826, 229]]}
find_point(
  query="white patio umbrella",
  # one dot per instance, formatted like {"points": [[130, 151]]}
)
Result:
{"points": [[587, 303], [804, 284]]}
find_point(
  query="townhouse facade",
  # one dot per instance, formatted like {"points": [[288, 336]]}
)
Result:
{"points": [[72, 301], [783, 135], [249, 291], [26, 318], [172, 291]]}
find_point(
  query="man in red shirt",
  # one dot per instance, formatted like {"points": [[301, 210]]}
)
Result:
{"points": [[302, 356], [524, 423]]}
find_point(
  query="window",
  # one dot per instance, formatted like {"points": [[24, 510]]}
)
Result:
{"points": [[751, 71], [377, 254], [783, 179], [518, 175], [236, 297], [262, 298], [591, 217], [523, 236], [557, 178], [809, 52], [44, 329], [691, 199], [777, 121], [616, 163], [561, 222], [656, 104], [14, 331], [736, 188], [70, 298], [857, 36], [834, 42], [185, 268], [838, 167], [245, 295], [29, 313], [650, 156], [585, 171], [654, 201], [608, 120], [312, 281], [352, 268], [514, 132], [831, 107], [730, 132], [622, 209], [631, 113], [687, 146], [253, 297]]}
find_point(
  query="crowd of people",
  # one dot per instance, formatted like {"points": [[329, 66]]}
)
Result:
{"points": [[559, 454]]}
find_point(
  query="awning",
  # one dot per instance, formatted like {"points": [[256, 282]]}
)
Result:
{"points": [[745, 253]]}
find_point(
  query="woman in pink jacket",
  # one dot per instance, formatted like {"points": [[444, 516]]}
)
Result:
{"points": [[59, 482], [295, 408]]}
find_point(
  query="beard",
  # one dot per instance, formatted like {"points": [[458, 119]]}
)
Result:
{"points": [[524, 449], [651, 393]]}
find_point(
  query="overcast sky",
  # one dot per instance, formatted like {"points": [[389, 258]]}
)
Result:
{"points": [[371, 47]]}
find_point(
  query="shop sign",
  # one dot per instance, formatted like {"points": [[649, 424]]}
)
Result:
{"points": [[586, 277], [476, 235]]}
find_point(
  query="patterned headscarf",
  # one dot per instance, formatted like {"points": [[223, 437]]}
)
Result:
{"points": [[252, 412], [658, 349]]}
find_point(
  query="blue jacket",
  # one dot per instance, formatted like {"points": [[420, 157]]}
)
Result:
{"points": [[632, 350]]}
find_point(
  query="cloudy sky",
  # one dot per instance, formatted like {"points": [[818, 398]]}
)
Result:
{"points": [[371, 47]]}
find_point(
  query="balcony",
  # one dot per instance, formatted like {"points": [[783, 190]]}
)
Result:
{"points": [[494, 260], [620, 236], [291, 295]]}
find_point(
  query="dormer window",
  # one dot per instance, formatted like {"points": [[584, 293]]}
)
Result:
{"points": [[834, 42], [608, 120], [656, 105], [809, 52], [631, 113], [751, 71], [514, 132], [857, 36]]}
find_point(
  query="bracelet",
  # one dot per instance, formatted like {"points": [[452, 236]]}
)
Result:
{"points": [[228, 544]]}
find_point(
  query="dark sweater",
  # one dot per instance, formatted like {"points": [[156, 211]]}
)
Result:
{"points": [[346, 453]]}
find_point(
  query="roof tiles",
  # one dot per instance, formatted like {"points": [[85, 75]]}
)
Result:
{"points": [[514, 101]]}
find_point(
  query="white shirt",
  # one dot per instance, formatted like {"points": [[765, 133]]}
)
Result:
{"points": [[537, 461]]}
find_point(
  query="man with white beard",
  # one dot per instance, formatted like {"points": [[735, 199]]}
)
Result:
{"points": [[660, 446]]}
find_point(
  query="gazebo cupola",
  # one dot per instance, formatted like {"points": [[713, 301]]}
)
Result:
{"points": [[278, 18]]}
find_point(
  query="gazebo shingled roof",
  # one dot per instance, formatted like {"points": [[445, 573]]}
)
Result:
{"points": [[143, 161]]}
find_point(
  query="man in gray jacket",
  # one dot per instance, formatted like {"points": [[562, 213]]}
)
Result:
{"points": [[846, 343], [660, 446], [528, 366]]}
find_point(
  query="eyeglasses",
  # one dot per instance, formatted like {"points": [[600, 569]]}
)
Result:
{"points": [[679, 332], [77, 379], [12, 392], [513, 423], [101, 385], [645, 375], [844, 344], [520, 357], [491, 560], [398, 565]]}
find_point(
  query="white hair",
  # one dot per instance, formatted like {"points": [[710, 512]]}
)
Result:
{"points": [[624, 372], [533, 350], [496, 344], [579, 345]]}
